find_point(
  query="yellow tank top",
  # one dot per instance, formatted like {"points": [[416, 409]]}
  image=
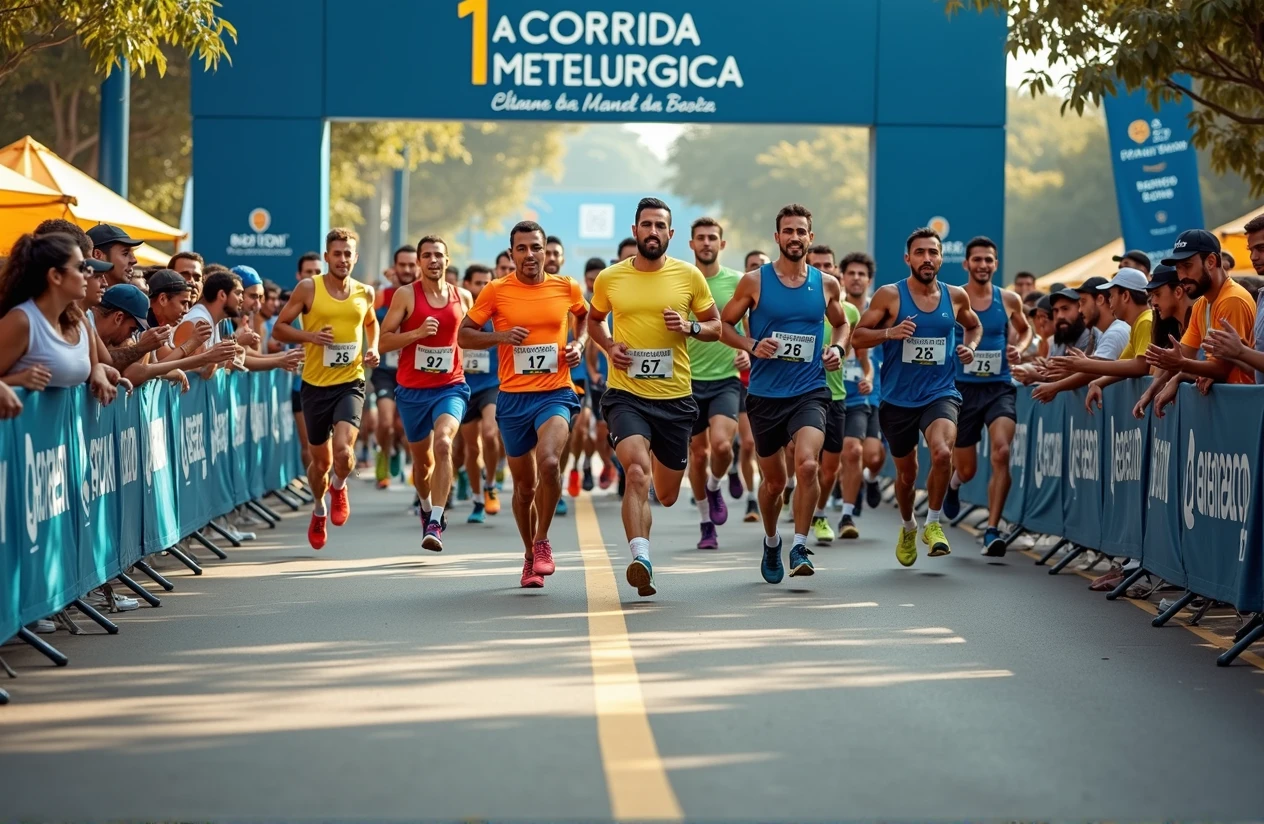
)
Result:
{"points": [[343, 360]]}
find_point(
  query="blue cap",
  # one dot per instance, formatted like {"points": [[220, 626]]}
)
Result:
{"points": [[127, 298], [249, 277]]}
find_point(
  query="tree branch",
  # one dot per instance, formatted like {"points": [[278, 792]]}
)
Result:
{"points": [[1232, 69], [1215, 107]]}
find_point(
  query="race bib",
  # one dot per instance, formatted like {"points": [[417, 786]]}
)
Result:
{"points": [[852, 372], [650, 364], [924, 351], [434, 359], [390, 360], [478, 361], [986, 363], [794, 348], [340, 354], [540, 359]]}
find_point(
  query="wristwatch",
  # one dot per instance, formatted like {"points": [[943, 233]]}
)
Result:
{"points": [[695, 329]]}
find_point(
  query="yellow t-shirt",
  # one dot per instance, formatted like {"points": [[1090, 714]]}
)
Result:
{"points": [[637, 299], [1139, 340], [1233, 304], [343, 360]]}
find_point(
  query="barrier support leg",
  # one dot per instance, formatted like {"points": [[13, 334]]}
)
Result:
{"points": [[204, 541], [1256, 620], [43, 647], [1126, 584], [1227, 657], [1044, 559], [178, 554], [1075, 552], [1013, 534], [961, 516], [265, 513], [1170, 613], [300, 491], [100, 620], [154, 576], [285, 499], [142, 593], [225, 534]]}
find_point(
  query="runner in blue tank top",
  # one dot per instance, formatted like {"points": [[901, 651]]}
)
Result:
{"points": [[478, 427], [864, 454], [987, 391], [915, 321], [788, 397]]}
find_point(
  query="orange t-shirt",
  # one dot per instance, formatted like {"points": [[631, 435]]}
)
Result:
{"points": [[1233, 304], [538, 364]]}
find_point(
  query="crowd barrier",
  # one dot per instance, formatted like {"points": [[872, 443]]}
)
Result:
{"points": [[86, 491], [1176, 493]]}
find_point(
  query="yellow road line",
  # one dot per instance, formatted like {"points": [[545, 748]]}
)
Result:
{"points": [[636, 777]]}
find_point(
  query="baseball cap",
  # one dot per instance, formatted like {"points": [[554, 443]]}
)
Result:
{"points": [[1044, 305], [1193, 242], [98, 265], [1067, 294], [1090, 286], [167, 281], [249, 277], [103, 235], [1127, 278], [127, 298], [1134, 254], [1162, 275]]}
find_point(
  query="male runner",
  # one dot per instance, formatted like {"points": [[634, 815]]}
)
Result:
{"points": [[598, 371], [822, 257], [863, 451], [504, 265], [530, 312], [627, 249], [478, 427], [716, 388], [914, 322], [338, 310], [649, 406], [554, 260], [432, 394], [988, 395], [390, 435], [789, 397], [744, 449]]}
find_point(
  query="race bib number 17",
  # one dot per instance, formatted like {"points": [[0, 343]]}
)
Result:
{"points": [[535, 360]]}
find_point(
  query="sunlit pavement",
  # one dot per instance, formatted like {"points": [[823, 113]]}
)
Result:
{"points": [[373, 680]]}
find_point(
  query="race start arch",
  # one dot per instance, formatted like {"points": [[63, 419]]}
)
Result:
{"points": [[931, 89]]}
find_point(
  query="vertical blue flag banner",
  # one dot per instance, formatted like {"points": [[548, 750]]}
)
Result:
{"points": [[1156, 170], [1124, 440]]}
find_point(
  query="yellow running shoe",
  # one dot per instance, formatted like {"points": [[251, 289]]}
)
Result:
{"points": [[906, 547], [933, 536]]}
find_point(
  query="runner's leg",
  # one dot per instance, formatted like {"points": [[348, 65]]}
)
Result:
{"points": [[522, 470], [940, 437], [806, 447], [633, 453], [445, 430], [553, 437], [491, 444], [1000, 436], [772, 471]]}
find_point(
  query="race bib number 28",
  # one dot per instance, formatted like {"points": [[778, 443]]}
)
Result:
{"points": [[535, 360], [340, 354], [924, 351]]}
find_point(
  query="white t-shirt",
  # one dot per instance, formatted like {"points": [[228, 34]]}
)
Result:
{"points": [[200, 312], [1113, 341]]}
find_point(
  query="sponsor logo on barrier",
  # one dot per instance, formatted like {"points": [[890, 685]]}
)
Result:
{"points": [[287, 421], [101, 478], [1018, 455], [1085, 456], [219, 431], [1217, 485], [156, 457], [952, 251], [241, 425], [1048, 453], [258, 421], [47, 495], [128, 456], [1126, 448], [1160, 460], [193, 444], [276, 417]]}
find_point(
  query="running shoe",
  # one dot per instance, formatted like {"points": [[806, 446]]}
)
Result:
{"points": [[735, 486], [770, 567], [380, 468], [873, 494], [396, 464], [530, 578], [952, 503], [933, 536], [588, 479], [493, 501], [476, 517], [821, 529], [607, 476], [316, 534], [433, 539], [993, 543], [384, 483], [640, 574], [561, 507], [799, 563], [542, 558], [339, 506], [752, 512], [462, 485], [709, 539], [847, 528], [716, 507], [906, 547], [572, 483]]}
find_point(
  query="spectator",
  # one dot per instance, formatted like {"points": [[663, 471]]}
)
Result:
{"points": [[309, 265], [1134, 259], [189, 266], [1171, 305], [1254, 230], [44, 340], [111, 244], [121, 314], [154, 354], [96, 277], [505, 264], [266, 317], [221, 299], [1112, 338], [1024, 284], [1228, 263], [452, 275], [1220, 302], [10, 403], [1070, 328]]}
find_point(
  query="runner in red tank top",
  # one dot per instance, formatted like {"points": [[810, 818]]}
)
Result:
{"points": [[422, 322]]}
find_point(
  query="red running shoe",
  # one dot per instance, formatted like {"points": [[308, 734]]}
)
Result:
{"points": [[316, 535], [572, 484], [530, 578], [339, 506], [542, 558], [607, 476]]}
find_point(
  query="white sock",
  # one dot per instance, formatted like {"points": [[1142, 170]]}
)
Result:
{"points": [[338, 483], [752, 496], [820, 513], [478, 499], [955, 481], [868, 476], [713, 484], [849, 509], [790, 486], [799, 539], [640, 548], [425, 505], [932, 516], [319, 507], [771, 540], [704, 511], [436, 515], [911, 525]]}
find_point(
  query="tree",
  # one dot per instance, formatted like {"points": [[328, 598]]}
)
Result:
{"points": [[108, 31], [610, 157], [1142, 44]]}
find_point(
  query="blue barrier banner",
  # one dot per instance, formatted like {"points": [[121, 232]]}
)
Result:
{"points": [[1019, 458], [239, 435], [1162, 554], [1220, 513], [161, 518], [103, 468], [218, 488], [1042, 500], [1082, 493], [11, 471], [260, 437], [192, 448], [1156, 170], [1124, 492]]}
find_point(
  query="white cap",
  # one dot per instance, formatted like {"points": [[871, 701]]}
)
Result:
{"points": [[1126, 278]]}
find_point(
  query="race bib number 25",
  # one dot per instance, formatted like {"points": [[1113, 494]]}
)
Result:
{"points": [[340, 354]]}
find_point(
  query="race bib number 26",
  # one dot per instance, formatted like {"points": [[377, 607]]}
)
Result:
{"points": [[794, 348]]}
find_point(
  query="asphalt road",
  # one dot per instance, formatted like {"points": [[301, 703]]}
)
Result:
{"points": [[374, 681]]}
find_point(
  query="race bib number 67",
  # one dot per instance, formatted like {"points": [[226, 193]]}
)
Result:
{"points": [[650, 364]]}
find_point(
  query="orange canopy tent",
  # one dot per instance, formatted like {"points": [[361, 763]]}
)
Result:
{"points": [[24, 204]]}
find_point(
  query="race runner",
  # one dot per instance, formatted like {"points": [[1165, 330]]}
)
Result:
{"points": [[478, 427], [554, 260], [744, 448], [789, 398], [988, 394], [863, 451], [598, 371], [913, 320], [337, 310], [422, 322], [530, 312], [390, 430], [716, 389], [649, 406]]}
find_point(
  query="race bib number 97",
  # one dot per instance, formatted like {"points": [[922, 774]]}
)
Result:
{"points": [[650, 364], [340, 354], [434, 360], [794, 348], [924, 351], [540, 359]]}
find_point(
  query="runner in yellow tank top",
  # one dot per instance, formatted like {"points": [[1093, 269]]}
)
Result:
{"points": [[341, 342]]}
